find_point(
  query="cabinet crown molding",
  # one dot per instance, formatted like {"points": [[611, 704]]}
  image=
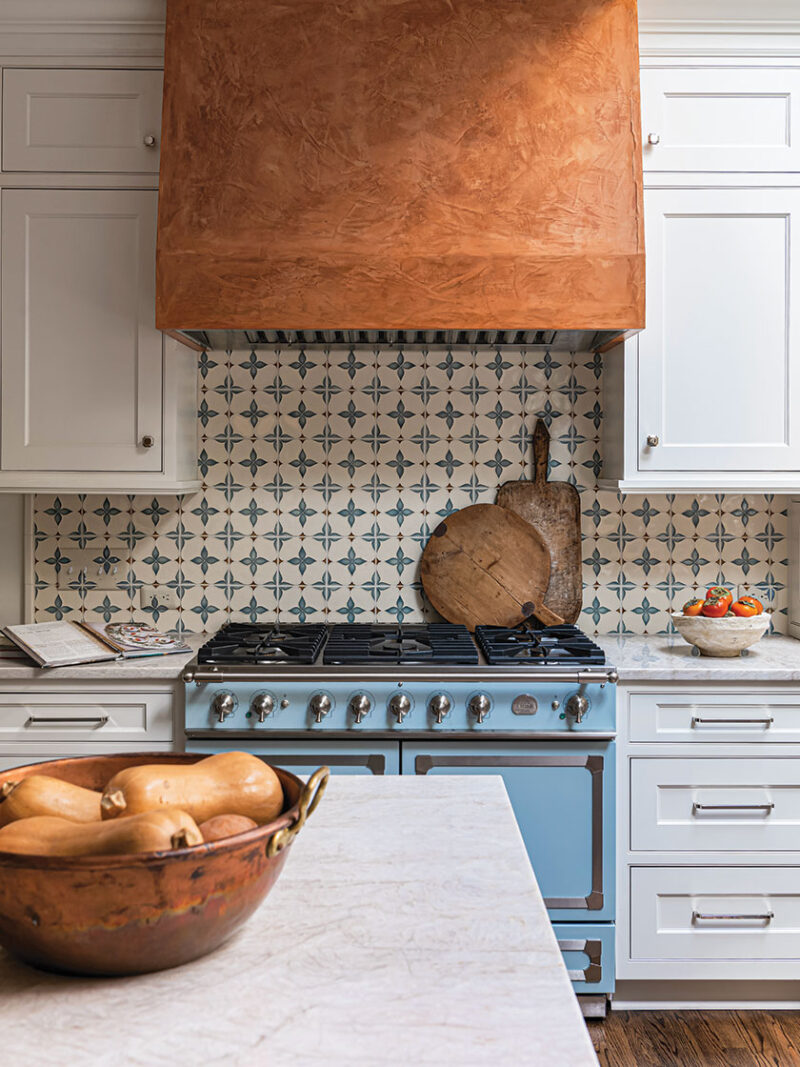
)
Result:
{"points": [[82, 28]]}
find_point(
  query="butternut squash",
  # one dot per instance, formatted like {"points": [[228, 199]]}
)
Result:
{"points": [[222, 826], [153, 831], [39, 794], [218, 785]]}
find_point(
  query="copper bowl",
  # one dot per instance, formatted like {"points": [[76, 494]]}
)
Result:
{"points": [[117, 915]]}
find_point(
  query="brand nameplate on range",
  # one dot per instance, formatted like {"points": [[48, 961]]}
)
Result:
{"points": [[525, 704]]}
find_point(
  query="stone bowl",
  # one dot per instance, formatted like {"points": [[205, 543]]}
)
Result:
{"points": [[721, 637], [122, 915]]}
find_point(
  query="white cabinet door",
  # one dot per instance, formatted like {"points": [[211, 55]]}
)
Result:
{"points": [[82, 120], [82, 361], [721, 119], [719, 362]]}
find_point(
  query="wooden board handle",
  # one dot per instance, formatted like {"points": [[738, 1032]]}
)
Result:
{"points": [[541, 452], [545, 616]]}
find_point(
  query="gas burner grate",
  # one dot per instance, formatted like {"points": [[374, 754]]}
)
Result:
{"points": [[366, 643], [264, 643], [550, 646]]}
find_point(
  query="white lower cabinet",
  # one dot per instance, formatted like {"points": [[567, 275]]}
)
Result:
{"points": [[708, 868], [710, 915]]}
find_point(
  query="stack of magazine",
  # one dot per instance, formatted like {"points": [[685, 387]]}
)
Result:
{"points": [[61, 644]]}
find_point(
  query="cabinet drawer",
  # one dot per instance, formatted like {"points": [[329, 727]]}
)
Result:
{"points": [[679, 716], [715, 805], [713, 119], [85, 716], [82, 120], [588, 951], [715, 913], [20, 755]]}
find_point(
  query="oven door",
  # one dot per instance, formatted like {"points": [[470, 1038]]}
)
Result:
{"points": [[563, 798], [302, 757]]}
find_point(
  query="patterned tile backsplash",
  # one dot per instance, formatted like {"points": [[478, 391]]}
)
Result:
{"points": [[325, 470]]}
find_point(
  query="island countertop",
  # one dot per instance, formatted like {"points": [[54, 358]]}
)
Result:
{"points": [[406, 928]]}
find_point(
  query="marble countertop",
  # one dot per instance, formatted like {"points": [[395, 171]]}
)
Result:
{"points": [[669, 658], [407, 927], [143, 668]]}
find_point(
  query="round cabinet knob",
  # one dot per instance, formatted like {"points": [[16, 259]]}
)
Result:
{"points": [[399, 706], [439, 706], [319, 706], [652, 440], [360, 705], [577, 706], [149, 140], [479, 706], [148, 440], [653, 138], [263, 704], [223, 705]]}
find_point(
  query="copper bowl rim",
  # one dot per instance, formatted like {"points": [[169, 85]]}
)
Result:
{"points": [[212, 848]]}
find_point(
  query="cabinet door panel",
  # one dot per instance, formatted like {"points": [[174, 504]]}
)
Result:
{"points": [[563, 800], [713, 119], [81, 358], [96, 121], [719, 362]]}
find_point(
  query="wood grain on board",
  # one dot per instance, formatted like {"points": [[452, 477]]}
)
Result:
{"points": [[553, 508], [485, 565]]}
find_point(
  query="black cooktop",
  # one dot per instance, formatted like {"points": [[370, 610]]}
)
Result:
{"points": [[551, 645], [264, 643], [366, 643]]}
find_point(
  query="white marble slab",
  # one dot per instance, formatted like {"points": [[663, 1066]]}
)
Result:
{"points": [[406, 929], [143, 668], [669, 659]]}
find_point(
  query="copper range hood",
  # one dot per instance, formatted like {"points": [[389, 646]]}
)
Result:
{"points": [[443, 171]]}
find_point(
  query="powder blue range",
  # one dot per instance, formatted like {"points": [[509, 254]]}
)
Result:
{"points": [[536, 706]]}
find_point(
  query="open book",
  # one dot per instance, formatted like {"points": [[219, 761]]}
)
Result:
{"points": [[61, 644]]}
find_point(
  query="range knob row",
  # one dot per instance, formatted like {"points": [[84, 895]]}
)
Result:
{"points": [[320, 704]]}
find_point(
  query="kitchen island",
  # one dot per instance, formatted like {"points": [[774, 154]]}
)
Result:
{"points": [[406, 928]]}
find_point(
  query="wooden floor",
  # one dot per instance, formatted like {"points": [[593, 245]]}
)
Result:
{"points": [[697, 1039]]}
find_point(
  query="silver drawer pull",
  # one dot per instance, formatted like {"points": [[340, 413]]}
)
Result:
{"points": [[733, 722], [98, 720], [733, 807], [764, 916]]}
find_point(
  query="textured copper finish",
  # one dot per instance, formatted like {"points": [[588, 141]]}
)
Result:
{"points": [[114, 915], [401, 164]]}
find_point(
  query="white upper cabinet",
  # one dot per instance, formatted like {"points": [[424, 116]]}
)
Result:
{"points": [[98, 121], [720, 119], [719, 362], [707, 397], [82, 360]]}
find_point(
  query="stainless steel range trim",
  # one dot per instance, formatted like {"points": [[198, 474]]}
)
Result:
{"points": [[313, 673], [591, 949], [374, 762], [594, 763], [265, 736]]}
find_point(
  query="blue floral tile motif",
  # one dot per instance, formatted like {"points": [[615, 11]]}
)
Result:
{"points": [[325, 470]]}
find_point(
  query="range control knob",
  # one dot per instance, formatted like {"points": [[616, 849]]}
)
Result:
{"points": [[577, 705], [262, 705], [439, 706], [479, 706], [223, 705], [399, 706], [360, 705], [319, 706]]}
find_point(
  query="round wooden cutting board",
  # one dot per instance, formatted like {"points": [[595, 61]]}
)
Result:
{"points": [[486, 565]]}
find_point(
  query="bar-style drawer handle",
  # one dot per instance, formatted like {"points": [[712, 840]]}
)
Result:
{"points": [[732, 807], [98, 720], [764, 916], [733, 722]]}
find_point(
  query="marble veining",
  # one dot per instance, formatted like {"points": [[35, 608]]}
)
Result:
{"points": [[668, 658], [407, 927]]}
